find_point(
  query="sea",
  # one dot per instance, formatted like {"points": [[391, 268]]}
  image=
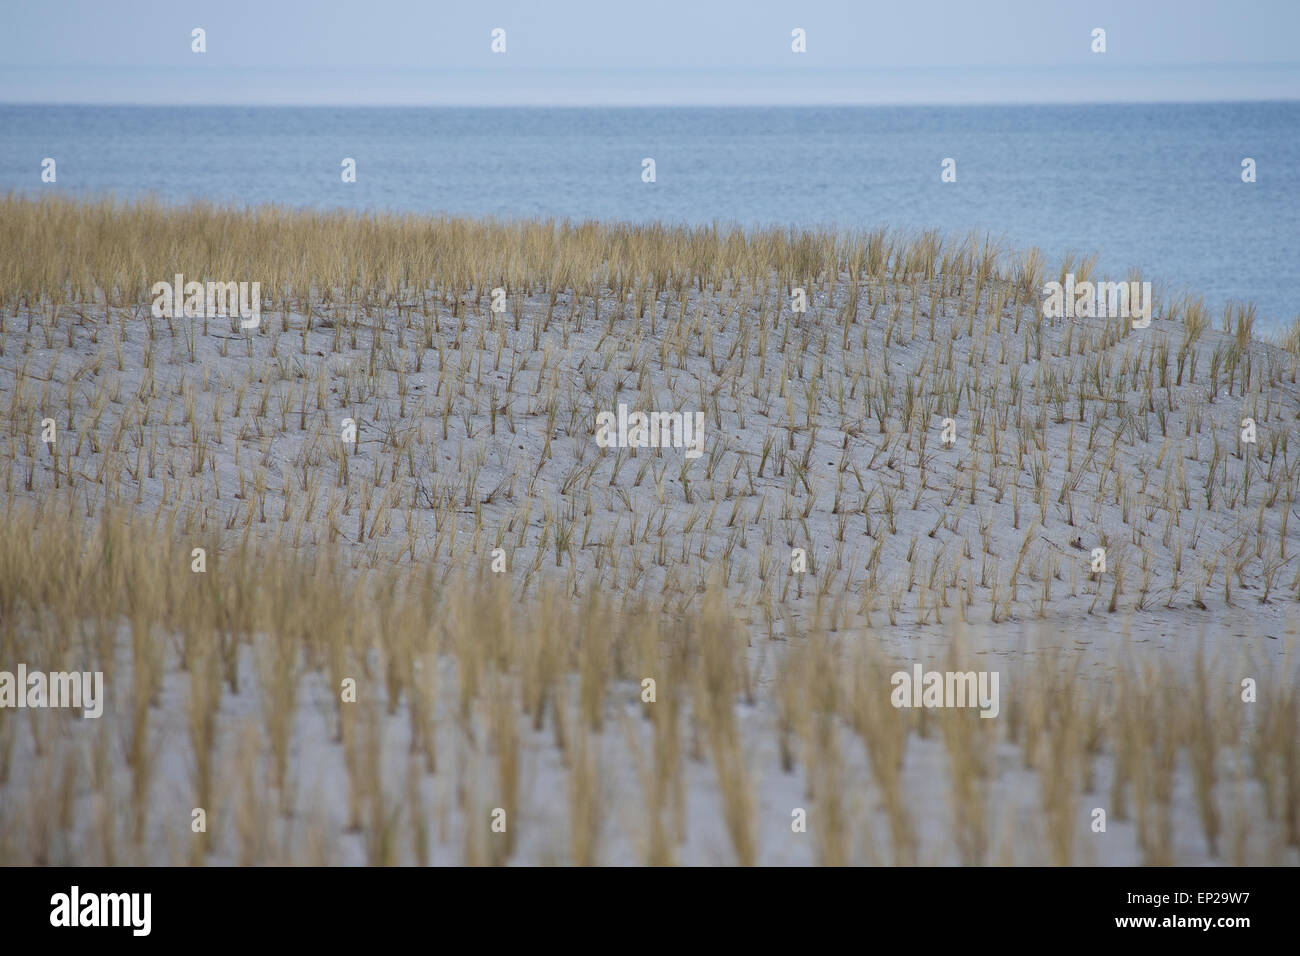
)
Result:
{"points": [[1158, 187]]}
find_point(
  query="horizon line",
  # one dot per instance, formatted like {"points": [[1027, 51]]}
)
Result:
{"points": [[667, 104]]}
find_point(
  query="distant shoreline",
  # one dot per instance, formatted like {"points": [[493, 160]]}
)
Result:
{"points": [[1166, 199]]}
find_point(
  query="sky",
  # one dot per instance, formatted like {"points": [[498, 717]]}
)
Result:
{"points": [[655, 52]]}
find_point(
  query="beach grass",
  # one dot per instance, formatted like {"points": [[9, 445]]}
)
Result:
{"points": [[921, 466]]}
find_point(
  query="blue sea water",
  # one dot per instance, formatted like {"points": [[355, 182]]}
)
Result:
{"points": [[1156, 187]]}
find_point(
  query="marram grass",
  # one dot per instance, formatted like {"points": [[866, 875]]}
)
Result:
{"points": [[919, 467]]}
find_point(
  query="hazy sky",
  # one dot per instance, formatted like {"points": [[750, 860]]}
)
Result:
{"points": [[568, 52]]}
